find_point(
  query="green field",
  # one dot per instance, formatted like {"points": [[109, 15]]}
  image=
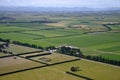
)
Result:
{"points": [[67, 30]]}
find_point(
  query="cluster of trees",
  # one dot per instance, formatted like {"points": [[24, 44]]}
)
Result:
{"points": [[50, 48], [4, 46], [68, 50], [101, 59]]}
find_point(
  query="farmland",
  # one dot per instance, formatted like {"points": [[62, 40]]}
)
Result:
{"points": [[10, 64], [97, 72], [94, 33], [54, 58]]}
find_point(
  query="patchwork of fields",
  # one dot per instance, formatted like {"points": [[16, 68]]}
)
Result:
{"points": [[54, 66], [84, 31]]}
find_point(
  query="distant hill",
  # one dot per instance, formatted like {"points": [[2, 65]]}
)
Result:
{"points": [[55, 9]]}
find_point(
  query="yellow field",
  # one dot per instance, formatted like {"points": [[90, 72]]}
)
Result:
{"points": [[55, 58], [90, 69], [10, 64]]}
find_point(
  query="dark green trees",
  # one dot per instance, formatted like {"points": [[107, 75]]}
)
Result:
{"points": [[68, 50]]}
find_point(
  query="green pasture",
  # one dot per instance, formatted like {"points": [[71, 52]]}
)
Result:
{"points": [[54, 33], [49, 34], [87, 40], [25, 38], [92, 44], [112, 49], [111, 56], [115, 27], [5, 28]]}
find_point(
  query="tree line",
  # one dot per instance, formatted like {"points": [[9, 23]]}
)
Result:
{"points": [[101, 59]]}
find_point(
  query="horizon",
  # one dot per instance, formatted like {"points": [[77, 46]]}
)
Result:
{"points": [[61, 3]]}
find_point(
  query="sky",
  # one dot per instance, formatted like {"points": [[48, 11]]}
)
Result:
{"points": [[61, 3]]}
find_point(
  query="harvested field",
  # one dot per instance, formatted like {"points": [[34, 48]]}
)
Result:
{"points": [[10, 64], [54, 58]]}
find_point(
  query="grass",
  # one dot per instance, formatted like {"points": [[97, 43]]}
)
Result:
{"points": [[111, 56], [17, 49], [40, 74], [87, 40], [6, 28], [94, 70], [54, 33], [55, 58], [112, 49], [115, 27], [97, 41]]}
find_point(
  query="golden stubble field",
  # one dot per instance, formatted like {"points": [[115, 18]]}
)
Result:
{"points": [[10, 64]]}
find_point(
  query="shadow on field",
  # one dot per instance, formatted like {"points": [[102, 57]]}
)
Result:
{"points": [[86, 78]]}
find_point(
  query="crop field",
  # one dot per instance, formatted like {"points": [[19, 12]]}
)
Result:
{"points": [[93, 42], [3, 54], [94, 33], [54, 58], [17, 49], [89, 69], [25, 55], [10, 64]]}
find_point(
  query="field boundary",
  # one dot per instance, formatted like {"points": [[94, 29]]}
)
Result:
{"points": [[76, 75], [46, 65]]}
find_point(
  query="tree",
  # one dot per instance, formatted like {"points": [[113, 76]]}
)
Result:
{"points": [[74, 69]]}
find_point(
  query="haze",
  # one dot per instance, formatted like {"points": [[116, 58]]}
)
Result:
{"points": [[61, 3]]}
